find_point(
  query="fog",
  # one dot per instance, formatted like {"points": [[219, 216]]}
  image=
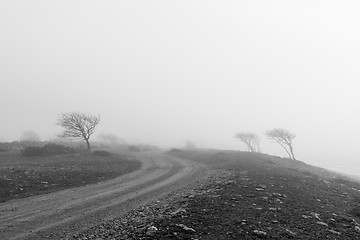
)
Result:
{"points": [[168, 73]]}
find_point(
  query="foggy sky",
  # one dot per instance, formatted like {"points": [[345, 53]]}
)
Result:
{"points": [[163, 72]]}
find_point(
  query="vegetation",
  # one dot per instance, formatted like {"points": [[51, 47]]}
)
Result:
{"points": [[78, 125], [102, 153], [284, 138], [281, 136], [47, 150], [251, 140], [141, 148]]}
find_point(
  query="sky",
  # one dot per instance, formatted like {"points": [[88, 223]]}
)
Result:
{"points": [[164, 72]]}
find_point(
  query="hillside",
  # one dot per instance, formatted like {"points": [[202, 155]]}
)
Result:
{"points": [[246, 196]]}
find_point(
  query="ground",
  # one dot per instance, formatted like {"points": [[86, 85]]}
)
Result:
{"points": [[61, 214], [246, 196], [243, 196], [27, 176]]}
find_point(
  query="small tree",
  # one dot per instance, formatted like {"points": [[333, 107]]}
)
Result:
{"points": [[78, 125], [251, 140], [284, 138]]}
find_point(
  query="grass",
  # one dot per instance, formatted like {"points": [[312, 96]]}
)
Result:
{"points": [[26, 176]]}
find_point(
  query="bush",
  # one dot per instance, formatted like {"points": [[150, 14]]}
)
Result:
{"points": [[175, 150], [102, 153], [134, 148], [32, 151], [47, 150]]}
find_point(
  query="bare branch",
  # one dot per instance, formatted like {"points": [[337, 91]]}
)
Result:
{"points": [[78, 125], [251, 140], [284, 138]]}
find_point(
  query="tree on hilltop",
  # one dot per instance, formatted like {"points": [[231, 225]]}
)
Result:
{"points": [[78, 125], [284, 138], [251, 140]]}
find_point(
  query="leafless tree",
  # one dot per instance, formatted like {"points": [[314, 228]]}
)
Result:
{"points": [[251, 140], [78, 125], [284, 138]]}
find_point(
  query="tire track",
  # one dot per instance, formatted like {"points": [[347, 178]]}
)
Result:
{"points": [[62, 213]]}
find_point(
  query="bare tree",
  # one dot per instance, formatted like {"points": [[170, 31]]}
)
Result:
{"points": [[284, 138], [251, 140], [78, 125]]}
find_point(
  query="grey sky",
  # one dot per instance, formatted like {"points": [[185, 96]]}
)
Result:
{"points": [[164, 72]]}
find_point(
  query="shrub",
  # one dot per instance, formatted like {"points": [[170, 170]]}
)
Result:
{"points": [[102, 153], [175, 150], [32, 151], [134, 148], [47, 150]]}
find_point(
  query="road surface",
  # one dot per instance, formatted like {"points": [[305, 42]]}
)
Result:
{"points": [[54, 215]]}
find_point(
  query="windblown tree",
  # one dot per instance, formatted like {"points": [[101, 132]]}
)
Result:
{"points": [[284, 138], [78, 125], [251, 140]]}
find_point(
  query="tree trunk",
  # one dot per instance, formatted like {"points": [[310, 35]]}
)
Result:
{"points": [[286, 149], [88, 144], [292, 153]]}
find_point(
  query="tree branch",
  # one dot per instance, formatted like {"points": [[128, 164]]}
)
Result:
{"points": [[78, 125]]}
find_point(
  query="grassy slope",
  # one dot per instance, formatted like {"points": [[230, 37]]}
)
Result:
{"points": [[26, 176], [265, 197]]}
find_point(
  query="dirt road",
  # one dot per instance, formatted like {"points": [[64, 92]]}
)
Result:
{"points": [[62, 213]]}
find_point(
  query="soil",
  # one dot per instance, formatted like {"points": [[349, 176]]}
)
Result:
{"points": [[64, 213], [245, 196], [27, 176]]}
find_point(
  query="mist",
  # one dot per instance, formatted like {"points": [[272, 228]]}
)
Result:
{"points": [[170, 73]]}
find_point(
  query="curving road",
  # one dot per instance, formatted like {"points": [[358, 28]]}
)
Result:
{"points": [[55, 215]]}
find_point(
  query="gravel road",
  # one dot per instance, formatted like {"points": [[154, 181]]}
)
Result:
{"points": [[55, 215]]}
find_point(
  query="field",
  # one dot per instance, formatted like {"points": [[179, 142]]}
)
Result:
{"points": [[26, 176]]}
